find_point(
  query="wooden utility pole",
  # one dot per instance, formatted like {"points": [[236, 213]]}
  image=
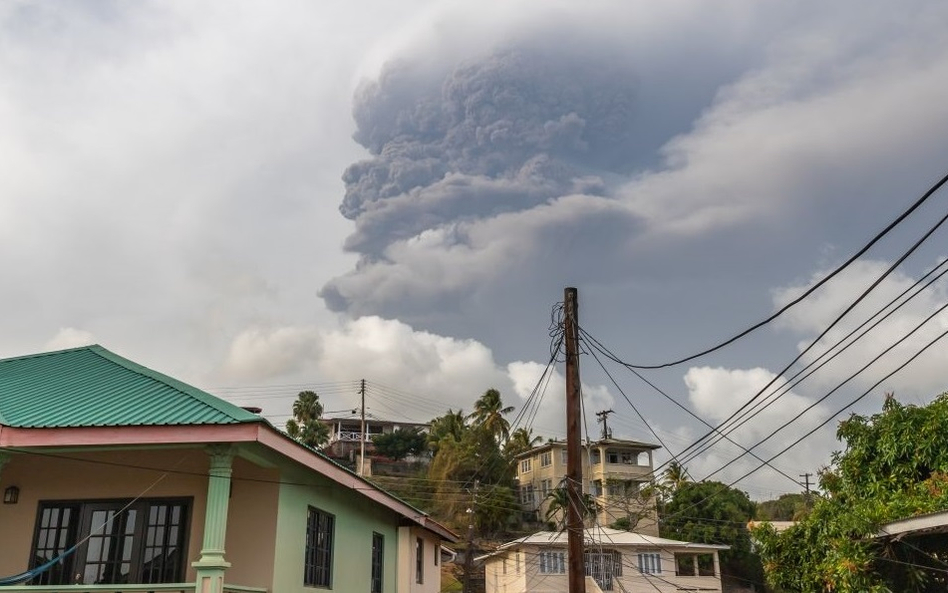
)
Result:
{"points": [[467, 585], [806, 477], [574, 461], [603, 416], [362, 434]]}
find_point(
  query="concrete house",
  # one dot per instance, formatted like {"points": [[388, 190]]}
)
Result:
{"points": [[346, 437], [614, 561], [153, 485], [614, 471]]}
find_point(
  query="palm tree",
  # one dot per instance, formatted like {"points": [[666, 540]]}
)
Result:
{"points": [[450, 426], [675, 476], [520, 440], [559, 503], [489, 412], [306, 425]]}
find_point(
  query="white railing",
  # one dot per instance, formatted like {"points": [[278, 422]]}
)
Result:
{"points": [[348, 435], [153, 588]]}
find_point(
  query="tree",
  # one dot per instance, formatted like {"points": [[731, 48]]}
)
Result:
{"points": [[459, 465], [399, 444], [714, 513], [893, 467], [674, 477], [451, 426], [520, 441], [559, 503], [305, 426], [488, 415], [636, 502], [788, 507]]}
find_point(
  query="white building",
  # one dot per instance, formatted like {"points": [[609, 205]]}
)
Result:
{"points": [[615, 561], [346, 436]]}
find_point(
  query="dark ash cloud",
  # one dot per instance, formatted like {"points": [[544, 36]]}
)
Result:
{"points": [[502, 134]]}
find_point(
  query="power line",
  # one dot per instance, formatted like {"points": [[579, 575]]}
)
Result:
{"points": [[810, 290]]}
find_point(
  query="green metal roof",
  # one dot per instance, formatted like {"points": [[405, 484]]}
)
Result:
{"points": [[91, 386]]}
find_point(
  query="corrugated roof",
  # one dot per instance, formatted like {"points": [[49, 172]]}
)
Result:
{"points": [[91, 386], [602, 536]]}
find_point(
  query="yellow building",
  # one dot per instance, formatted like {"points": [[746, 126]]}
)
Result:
{"points": [[614, 473]]}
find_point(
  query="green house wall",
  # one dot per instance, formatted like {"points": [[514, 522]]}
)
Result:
{"points": [[356, 518]]}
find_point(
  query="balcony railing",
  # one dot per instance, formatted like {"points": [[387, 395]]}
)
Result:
{"points": [[349, 435], [153, 588]]}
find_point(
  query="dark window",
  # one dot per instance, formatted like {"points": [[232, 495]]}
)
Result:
{"points": [[121, 544], [378, 561], [419, 560], [55, 533], [163, 527], [317, 563]]}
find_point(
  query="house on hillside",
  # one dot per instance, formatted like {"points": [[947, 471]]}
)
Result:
{"points": [[614, 472], [346, 435], [614, 561], [114, 474]]}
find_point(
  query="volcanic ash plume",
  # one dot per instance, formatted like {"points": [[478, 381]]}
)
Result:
{"points": [[459, 150]]}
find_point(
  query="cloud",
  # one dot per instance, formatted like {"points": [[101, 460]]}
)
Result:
{"points": [[716, 393], [414, 375], [923, 378], [563, 153], [69, 337]]}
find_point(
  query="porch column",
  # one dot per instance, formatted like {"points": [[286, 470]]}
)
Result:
{"points": [[211, 565], [717, 566]]}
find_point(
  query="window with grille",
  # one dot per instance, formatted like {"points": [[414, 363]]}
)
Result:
{"points": [[378, 561], [603, 566], [419, 560], [553, 562], [317, 559], [650, 563], [124, 542]]}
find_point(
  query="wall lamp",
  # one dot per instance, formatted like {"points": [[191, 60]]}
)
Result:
{"points": [[11, 495]]}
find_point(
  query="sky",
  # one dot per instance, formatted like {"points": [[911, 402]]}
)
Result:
{"points": [[260, 198]]}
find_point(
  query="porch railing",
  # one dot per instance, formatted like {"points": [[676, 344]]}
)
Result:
{"points": [[154, 588]]}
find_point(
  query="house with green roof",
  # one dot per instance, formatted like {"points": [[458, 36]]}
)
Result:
{"points": [[117, 478]]}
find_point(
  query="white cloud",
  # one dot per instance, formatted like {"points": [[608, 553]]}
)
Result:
{"points": [[69, 337], [715, 393], [923, 378]]}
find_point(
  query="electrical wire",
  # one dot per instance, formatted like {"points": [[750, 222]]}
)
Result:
{"points": [[819, 362], [934, 188]]}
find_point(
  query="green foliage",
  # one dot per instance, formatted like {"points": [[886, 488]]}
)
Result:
{"points": [[305, 426], [488, 415], [466, 450], [459, 464], [451, 426], [559, 503], [893, 467], [674, 477], [415, 490], [399, 444], [788, 507], [714, 513], [520, 441]]}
